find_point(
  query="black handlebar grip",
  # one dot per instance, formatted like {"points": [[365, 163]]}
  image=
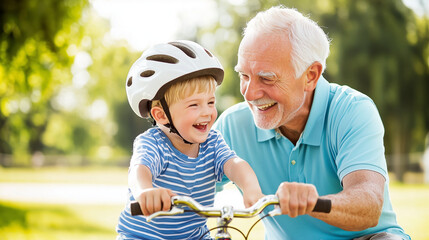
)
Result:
{"points": [[323, 205], [135, 209]]}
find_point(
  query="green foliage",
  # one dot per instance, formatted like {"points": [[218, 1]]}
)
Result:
{"points": [[61, 80], [382, 51], [108, 83], [62, 77], [26, 20], [33, 62]]}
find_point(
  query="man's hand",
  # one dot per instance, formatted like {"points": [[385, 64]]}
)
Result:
{"points": [[297, 198], [152, 200]]}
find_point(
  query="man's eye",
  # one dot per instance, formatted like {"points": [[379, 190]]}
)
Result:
{"points": [[267, 80], [211, 102]]}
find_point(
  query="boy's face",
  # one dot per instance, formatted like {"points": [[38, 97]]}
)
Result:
{"points": [[194, 116]]}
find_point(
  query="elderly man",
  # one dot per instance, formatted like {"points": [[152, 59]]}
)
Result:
{"points": [[306, 137]]}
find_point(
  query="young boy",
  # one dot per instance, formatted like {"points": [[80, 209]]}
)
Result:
{"points": [[175, 84]]}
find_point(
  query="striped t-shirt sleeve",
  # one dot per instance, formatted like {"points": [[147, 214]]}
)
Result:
{"points": [[222, 154], [145, 152]]}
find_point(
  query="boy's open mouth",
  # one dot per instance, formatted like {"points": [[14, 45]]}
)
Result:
{"points": [[201, 126]]}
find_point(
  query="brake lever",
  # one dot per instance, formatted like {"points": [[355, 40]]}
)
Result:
{"points": [[322, 205], [275, 212], [174, 211]]}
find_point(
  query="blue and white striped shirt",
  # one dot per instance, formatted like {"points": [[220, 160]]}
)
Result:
{"points": [[186, 176]]}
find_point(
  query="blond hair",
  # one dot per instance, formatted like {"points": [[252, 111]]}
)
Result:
{"points": [[186, 88]]}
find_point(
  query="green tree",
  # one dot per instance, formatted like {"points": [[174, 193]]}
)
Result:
{"points": [[108, 83], [62, 82], [33, 60], [382, 50]]}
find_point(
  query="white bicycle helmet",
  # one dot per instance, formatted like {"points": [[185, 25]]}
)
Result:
{"points": [[163, 64]]}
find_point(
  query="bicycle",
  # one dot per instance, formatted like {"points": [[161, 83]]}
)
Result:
{"points": [[225, 214]]}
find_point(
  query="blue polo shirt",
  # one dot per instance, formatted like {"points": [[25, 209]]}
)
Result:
{"points": [[344, 133]]}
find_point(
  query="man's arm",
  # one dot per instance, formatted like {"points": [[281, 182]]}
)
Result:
{"points": [[356, 208], [359, 205]]}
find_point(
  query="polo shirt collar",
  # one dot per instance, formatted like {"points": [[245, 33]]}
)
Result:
{"points": [[264, 134], [313, 130], [312, 134]]}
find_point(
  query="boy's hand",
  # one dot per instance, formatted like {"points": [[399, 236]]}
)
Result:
{"points": [[152, 200]]}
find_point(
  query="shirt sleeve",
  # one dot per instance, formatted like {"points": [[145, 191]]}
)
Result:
{"points": [[145, 152], [359, 139], [222, 154]]}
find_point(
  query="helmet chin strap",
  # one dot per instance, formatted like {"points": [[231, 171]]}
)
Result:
{"points": [[171, 125]]}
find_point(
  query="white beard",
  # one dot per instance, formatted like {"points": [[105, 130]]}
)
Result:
{"points": [[267, 122]]}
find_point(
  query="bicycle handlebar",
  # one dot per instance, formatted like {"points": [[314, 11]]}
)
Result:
{"points": [[322, 205]]}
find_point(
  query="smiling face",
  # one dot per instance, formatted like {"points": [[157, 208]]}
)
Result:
{"points": [[192, 109], [193, 116], [275, 97]]}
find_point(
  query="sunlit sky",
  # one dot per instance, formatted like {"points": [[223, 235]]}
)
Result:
{"points": [[146, 22]]}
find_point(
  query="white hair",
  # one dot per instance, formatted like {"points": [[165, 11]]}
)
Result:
{"points": [[308, 41]]}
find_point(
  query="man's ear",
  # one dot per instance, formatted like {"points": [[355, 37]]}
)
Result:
{"points": [[159, 115], [312, 76]]}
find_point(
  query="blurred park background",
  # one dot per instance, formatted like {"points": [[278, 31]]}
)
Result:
{"points": [[65, 119]]}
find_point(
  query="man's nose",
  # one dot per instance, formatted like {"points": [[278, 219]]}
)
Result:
{"points": [[251, 90]]}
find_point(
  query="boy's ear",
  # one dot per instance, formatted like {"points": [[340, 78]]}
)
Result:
{"points": [[159, 115]]}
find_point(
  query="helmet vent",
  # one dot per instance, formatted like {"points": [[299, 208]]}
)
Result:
{"points": [[130, 81], [184, 49], [147, 73], [162, 58], [209, 53]]}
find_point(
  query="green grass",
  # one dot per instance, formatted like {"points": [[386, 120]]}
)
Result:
{"points": [[93, 175], [411, 204], [30, 221], [26, 221]]}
